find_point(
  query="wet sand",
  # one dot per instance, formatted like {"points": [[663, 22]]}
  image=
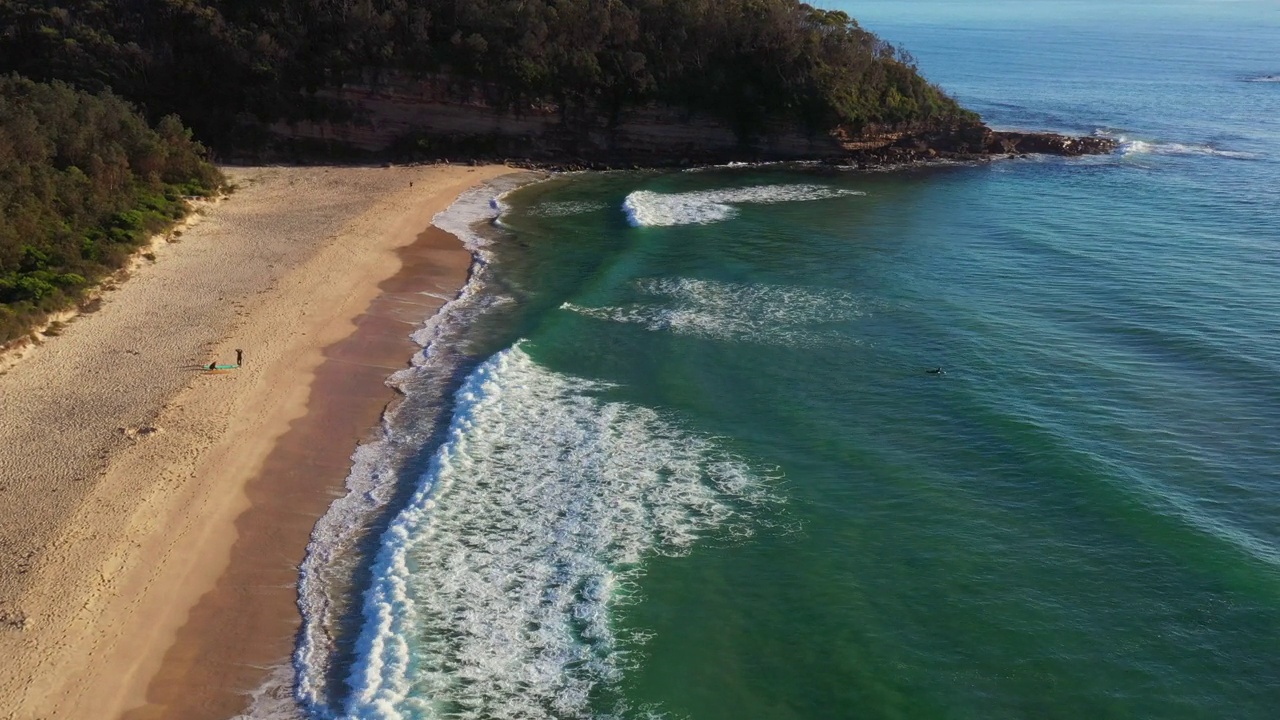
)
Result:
{"points": [[248, 621]]}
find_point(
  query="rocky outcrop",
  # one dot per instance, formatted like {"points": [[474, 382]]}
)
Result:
{"points": [[430, 119], [967, 142], [982, 140]]}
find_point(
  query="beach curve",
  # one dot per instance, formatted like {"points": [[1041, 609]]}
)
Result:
{"points": [[126, 473]]}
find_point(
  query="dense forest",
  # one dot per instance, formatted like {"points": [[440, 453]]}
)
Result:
{"points": [[93, 156], [226, 66], [83, 181]]}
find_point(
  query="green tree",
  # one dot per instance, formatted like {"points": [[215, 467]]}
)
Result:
{"points": [[83, 180]]}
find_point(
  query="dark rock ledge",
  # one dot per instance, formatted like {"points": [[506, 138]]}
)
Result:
{"points": [[977, 141], [968, 144]]}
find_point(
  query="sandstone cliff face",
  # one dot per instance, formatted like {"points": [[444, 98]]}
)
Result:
{"points": [[429, 118], [386, 113]]}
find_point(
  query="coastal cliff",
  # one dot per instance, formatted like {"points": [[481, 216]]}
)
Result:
{"points": [[426, 119], [574, 84]]}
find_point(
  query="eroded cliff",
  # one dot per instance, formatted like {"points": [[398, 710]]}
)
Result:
{"points": [[429, 119]]}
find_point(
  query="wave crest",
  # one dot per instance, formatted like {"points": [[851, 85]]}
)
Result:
{"points": [[375, 464], [1126, 146], [767, 314], [493, 591], [645, 208]]}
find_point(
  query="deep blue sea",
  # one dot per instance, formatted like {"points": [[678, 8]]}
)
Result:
{"points": [[677, 453]]}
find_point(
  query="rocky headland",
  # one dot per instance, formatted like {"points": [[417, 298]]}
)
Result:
{"points": [[974, 142], [401, 118]]}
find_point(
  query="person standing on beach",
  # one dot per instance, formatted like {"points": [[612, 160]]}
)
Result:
{"points": [[239, 357]]}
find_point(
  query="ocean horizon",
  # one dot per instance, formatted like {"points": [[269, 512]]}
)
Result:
{"points": [[988, 440]]}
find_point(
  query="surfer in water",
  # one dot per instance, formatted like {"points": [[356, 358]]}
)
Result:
{"points": [[937, 371]]}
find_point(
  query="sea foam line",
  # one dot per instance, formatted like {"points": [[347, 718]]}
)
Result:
{"points": [[766, 314], [374, 464], [495, 589], [1126, 146], [645, 208]]}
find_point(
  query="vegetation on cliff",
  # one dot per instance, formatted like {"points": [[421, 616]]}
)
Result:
{"points": [[83, 181], [227, 66]]}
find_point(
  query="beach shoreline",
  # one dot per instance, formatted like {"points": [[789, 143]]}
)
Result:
{"points": [[165, 584]]}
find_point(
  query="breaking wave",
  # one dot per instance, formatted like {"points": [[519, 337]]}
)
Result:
{"points": [[495, 588], [1127, 146], [370, 484], [767, 314], [645, 208]]}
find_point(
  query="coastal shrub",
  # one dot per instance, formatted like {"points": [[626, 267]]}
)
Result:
{"points": [[12, 325], [83, 181]]}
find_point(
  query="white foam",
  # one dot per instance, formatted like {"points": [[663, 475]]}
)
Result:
{"points": [[645, 208], [1264, 79], [273, 700], [496, 589], [1129, 146], [485, 203], [370, 482], [740, 164], [768, 314]]}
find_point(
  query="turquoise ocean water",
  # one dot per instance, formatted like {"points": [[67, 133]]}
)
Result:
{"points": [[676, 452]]}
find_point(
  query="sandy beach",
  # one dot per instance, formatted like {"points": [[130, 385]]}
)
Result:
{"points": [[152, 514]]}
